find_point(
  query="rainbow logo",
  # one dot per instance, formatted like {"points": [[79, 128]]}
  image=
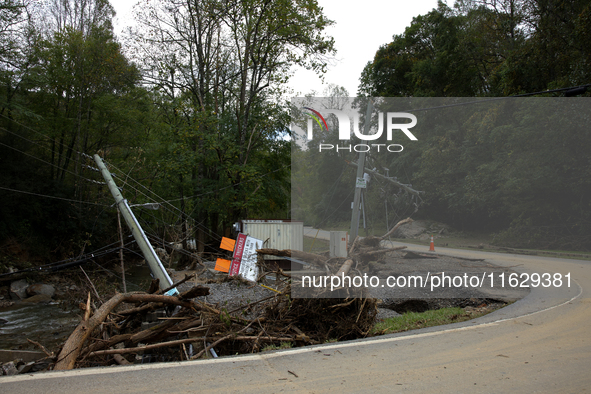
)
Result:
{"points": [[316, 118]]}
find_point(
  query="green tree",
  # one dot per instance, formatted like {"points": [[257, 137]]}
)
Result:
{"points": [[78, 75], [72, 91], [219, 69]]}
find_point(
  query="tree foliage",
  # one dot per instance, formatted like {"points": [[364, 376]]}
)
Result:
{"points": [[68, 90], [519, 178], [481, 48], [191, 104], [218, 69]]}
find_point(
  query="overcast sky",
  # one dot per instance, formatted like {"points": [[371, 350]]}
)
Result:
{"points": [[360, 28]]}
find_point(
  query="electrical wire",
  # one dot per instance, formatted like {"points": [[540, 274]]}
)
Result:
{"points": [[46, 162], [57, 198]]}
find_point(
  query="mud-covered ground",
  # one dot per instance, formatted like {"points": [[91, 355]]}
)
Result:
{"points": [[402, 282]]}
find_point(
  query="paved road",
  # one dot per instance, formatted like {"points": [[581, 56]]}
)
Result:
{"points": [[539, 344]]}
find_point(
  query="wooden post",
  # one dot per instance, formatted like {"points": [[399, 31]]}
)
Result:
{"points": [[121, 250], [360, 170]]}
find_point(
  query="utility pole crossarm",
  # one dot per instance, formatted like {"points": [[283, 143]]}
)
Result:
{"points": [[378, 175]]}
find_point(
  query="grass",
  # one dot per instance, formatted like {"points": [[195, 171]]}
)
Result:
{"points": [[315, 245], [414, 320], [282, 345]]}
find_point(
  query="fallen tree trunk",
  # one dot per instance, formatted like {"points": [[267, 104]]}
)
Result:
{"points": [[71, 350], [344, 270], [298, 254], [371, 252]]}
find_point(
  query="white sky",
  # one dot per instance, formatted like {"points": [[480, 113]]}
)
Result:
{"points": [[360, 28]]}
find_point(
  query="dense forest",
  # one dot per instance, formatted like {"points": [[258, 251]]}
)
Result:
{"points": [[186, 109], [517, 167], [189, 110]]}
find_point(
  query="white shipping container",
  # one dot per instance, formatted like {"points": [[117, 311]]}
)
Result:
{"points": [[276, 234]]}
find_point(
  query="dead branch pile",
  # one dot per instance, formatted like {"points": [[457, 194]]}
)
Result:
{"points": [[132, 326], [324, 319], [360, 254], [188, 328]]}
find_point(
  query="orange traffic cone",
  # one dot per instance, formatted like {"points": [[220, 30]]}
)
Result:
{"points": [[432, 246]]}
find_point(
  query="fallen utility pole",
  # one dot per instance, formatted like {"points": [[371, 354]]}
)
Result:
{"points": [[136, 230]]}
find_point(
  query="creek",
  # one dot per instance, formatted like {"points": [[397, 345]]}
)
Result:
{"points": [[50, 324]]}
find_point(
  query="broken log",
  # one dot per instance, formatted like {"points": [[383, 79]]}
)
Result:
{"points": [[298, 254], [396, 227], [344, 270], [380, 251], [197, 291], [120, 360], [180, 282], [71, 350]]}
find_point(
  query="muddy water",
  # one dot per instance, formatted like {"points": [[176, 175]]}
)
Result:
{"points": [[48, 324], [51, 324]]}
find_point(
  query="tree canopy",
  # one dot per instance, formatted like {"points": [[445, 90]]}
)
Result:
{"points": [[191, 104], [189, 109], [522, 180]]}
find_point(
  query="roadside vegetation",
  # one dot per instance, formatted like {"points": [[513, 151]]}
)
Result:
{"points": [[187, 109], [415, 320], [410, 321], [528, 184], [282, 345]]}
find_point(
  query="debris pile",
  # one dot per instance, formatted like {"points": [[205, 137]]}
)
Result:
{"points": [[361, 258], [151, 326], [187, 328]]}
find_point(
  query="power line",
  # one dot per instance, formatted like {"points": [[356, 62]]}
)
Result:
{"points": [[144, 187], [41, 134], [486, 100], [57, 198], [169, 202], [46, 162]]}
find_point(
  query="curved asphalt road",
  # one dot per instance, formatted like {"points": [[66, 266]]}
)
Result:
{"points": [[541, 343]]}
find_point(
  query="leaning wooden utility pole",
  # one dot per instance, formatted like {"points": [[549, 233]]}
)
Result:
{"points": [[121, 250], [136, 230], [360, 170]]}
